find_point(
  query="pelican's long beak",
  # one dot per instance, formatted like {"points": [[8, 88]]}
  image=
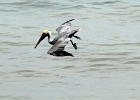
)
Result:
{"points": [[41, 38]]}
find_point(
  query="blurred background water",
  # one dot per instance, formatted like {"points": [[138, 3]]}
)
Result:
{"points": [[106, 65]]}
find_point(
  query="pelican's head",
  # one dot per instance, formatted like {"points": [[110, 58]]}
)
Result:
{"points": [[44, 34], [47, 32]]}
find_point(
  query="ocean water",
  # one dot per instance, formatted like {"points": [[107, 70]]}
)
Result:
{"points": [[106, 65]]}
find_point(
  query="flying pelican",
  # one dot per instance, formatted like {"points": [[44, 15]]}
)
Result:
{"points": [[60, 42]]}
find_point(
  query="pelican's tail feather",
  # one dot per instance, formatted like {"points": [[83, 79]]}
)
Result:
{"points": [[61, 53]]}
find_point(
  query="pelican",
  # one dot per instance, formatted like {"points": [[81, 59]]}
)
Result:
{"points": [[59, 42]]}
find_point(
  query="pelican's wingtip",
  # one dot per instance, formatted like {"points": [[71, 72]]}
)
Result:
{"points": [[79, 29]]}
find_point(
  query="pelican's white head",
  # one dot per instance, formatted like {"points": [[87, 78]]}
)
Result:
{"points": [[47, 32]]}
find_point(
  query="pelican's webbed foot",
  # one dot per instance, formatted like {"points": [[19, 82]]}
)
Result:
{"points": [[74, 44]]}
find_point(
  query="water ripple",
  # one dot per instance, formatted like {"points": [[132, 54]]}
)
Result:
{"points": [[105, 3]]}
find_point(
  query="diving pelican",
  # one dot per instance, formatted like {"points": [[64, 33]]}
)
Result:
{"points": [[60, 42]]}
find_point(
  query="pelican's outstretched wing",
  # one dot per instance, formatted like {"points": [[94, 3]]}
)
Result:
{"points": [[72, 33], [68, 21], [58, 47], [64, 27]]}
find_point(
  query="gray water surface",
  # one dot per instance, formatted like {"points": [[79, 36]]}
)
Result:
{"points": [[106, 65]]}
